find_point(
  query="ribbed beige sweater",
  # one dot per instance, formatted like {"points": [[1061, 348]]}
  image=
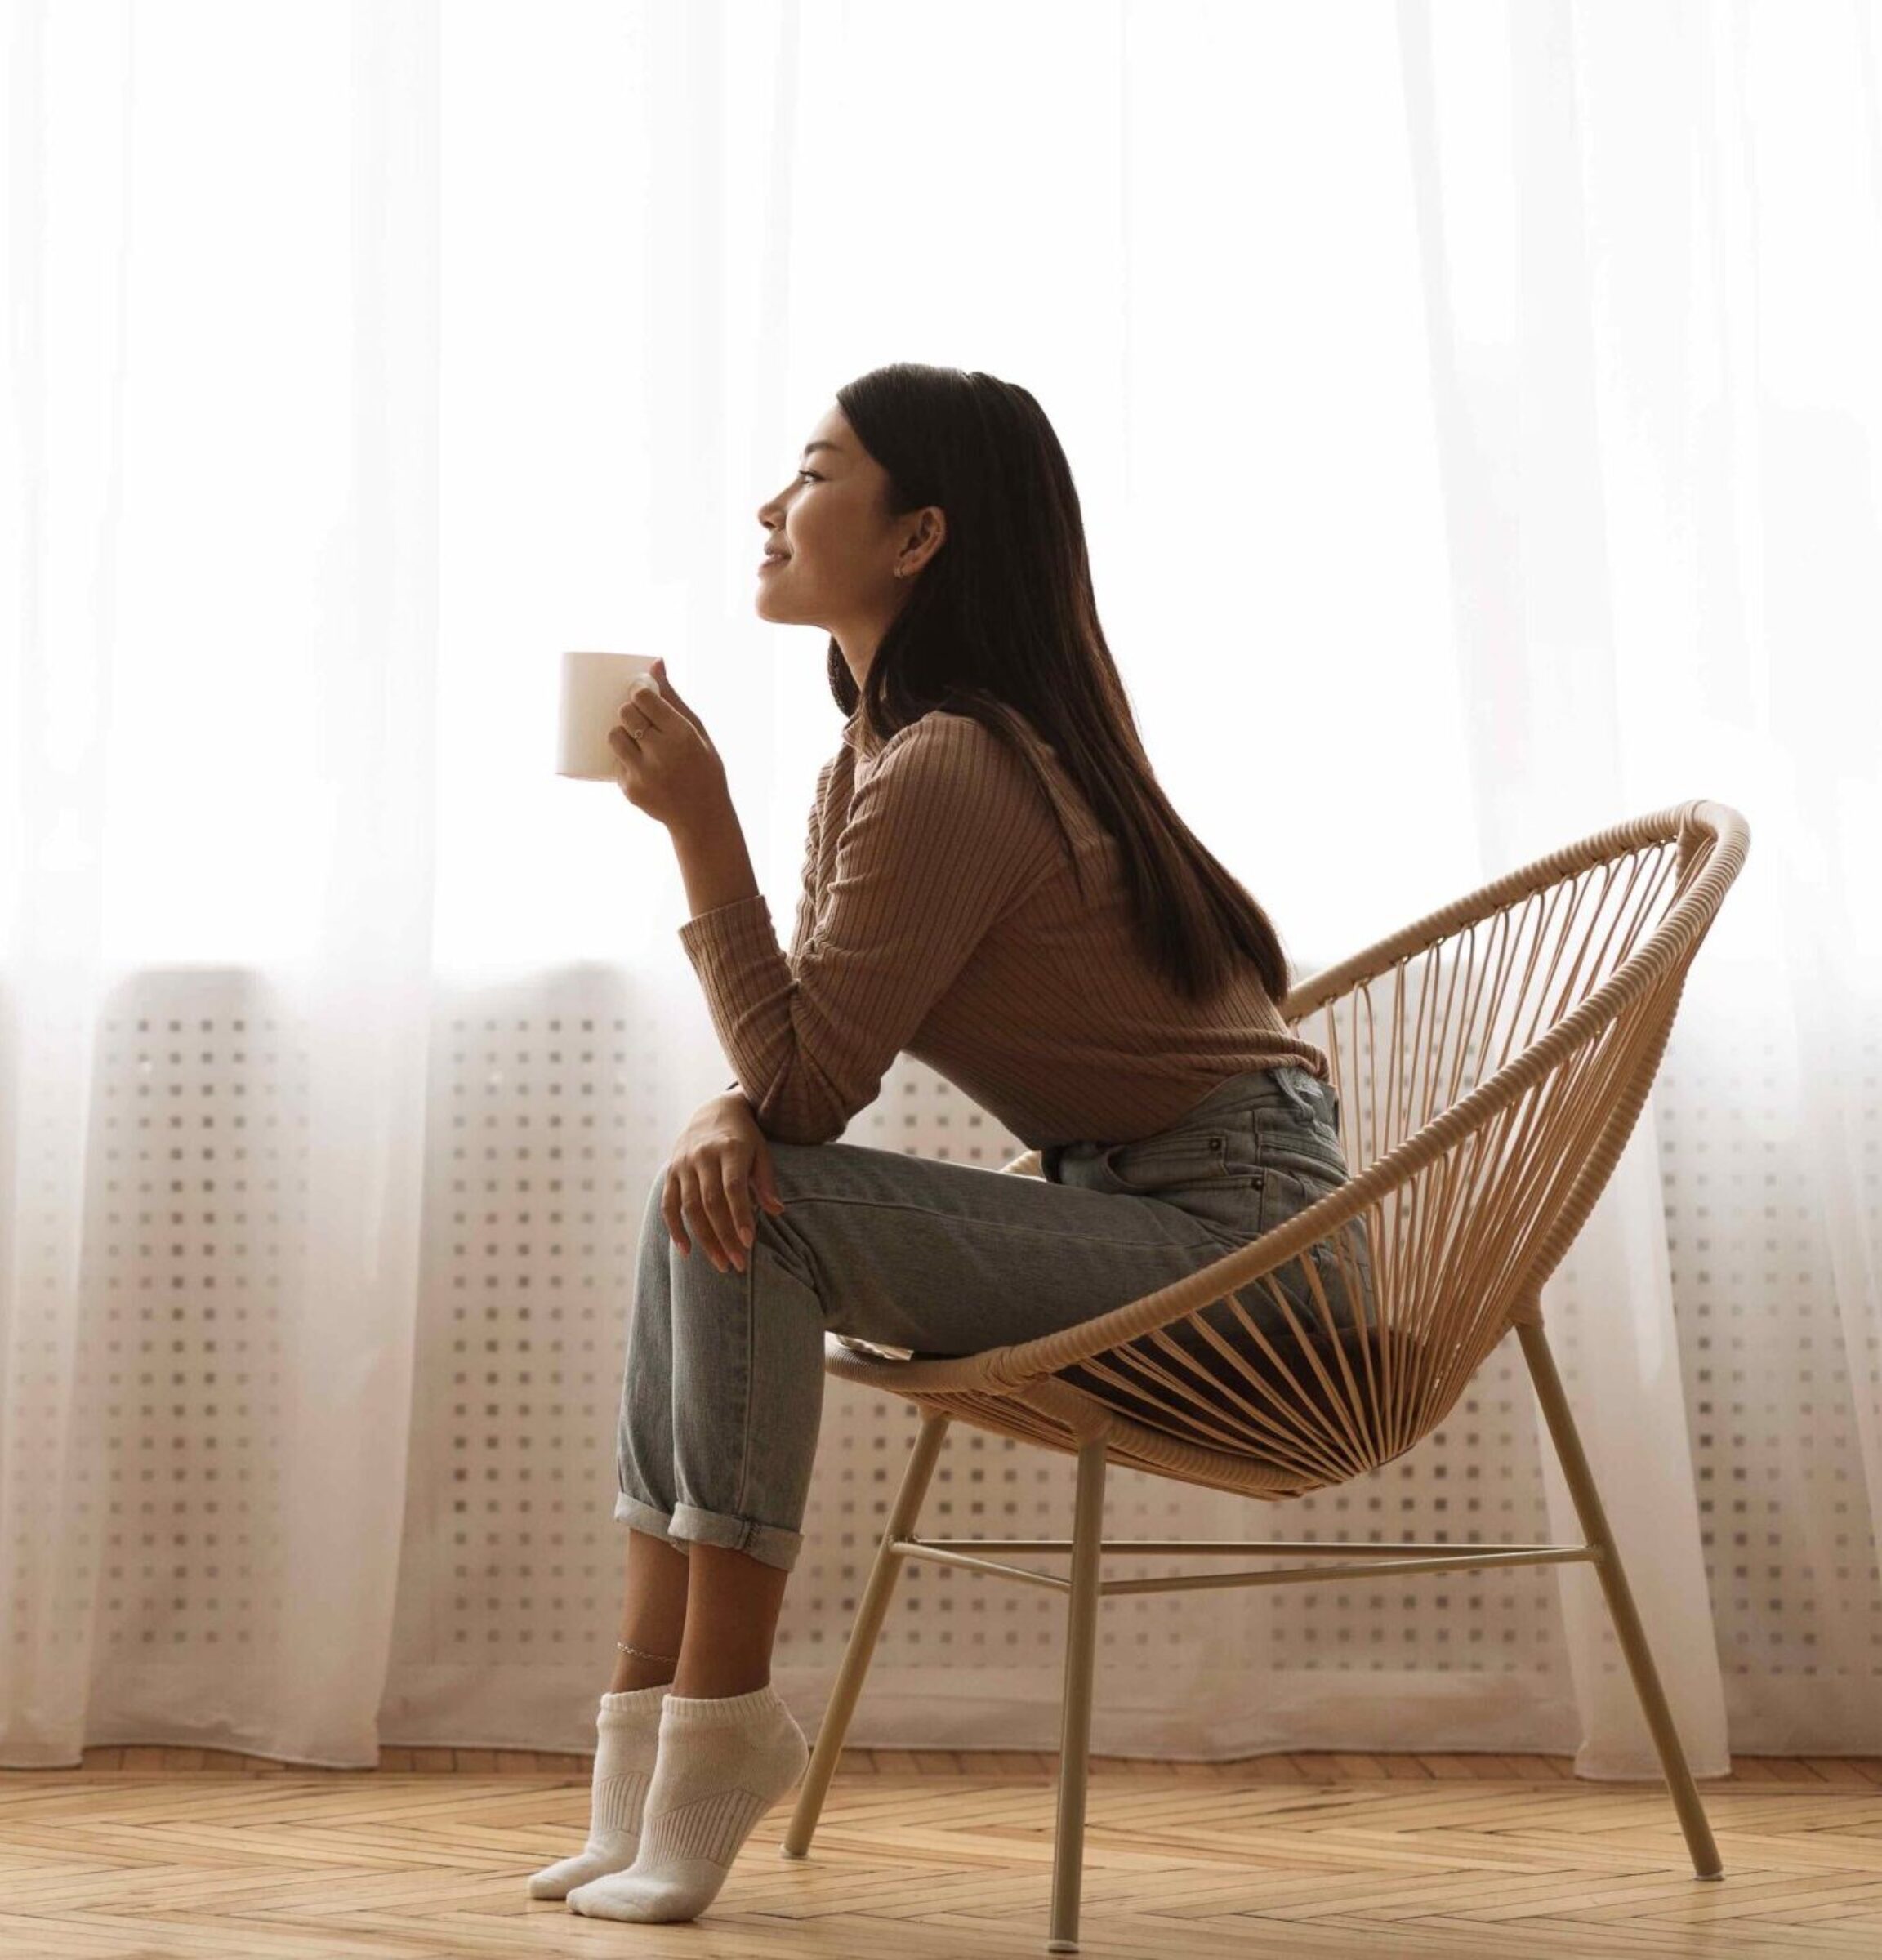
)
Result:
{"points": [[939, 917]]}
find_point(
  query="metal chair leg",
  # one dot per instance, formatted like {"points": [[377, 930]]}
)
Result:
{"points": [[1075, 1726], [856, 1655], [1706, 1862]]}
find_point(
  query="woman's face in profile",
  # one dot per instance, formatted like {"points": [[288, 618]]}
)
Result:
{"points": [[818, 563], [837, 570]]}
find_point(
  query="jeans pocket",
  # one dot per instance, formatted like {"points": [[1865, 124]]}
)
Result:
{"points": [[1343, 1261], [1157, 1165], [1303, 1146], [1285, 1192]]}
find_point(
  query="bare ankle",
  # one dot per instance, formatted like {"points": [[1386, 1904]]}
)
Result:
{"points": [[708, 1685], [632, 1672]]}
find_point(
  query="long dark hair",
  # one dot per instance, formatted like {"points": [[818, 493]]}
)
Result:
{"points": [[1003, 616]]}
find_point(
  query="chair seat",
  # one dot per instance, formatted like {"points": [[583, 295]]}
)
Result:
{"points": [[1366, 1353], [1223, 1424]]}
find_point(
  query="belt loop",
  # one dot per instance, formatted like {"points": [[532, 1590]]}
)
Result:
{"points": [[1291, 1090]]}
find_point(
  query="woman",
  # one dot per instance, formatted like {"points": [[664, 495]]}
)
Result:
{"points": [[995, 884]]}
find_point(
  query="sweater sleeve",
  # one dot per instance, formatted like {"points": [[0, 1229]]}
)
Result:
{"points": [[813, 849], [807, 898], [937, 842]]}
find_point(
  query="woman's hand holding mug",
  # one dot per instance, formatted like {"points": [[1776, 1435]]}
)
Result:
{"points": [[720, 1158], [664, 760]]}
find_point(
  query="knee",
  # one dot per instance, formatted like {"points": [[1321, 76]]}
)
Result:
{"points": [[655, 1197]]}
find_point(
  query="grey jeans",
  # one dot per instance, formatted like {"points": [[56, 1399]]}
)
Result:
{"points": [[722, 1395]]}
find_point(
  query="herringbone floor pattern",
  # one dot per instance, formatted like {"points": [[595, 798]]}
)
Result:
{"points": [[150, 1853]]}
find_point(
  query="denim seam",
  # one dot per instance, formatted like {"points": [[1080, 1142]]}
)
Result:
{"points": [[750, 1376], [1083, 1238]]}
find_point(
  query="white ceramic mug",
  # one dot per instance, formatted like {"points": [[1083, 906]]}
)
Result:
{"points": [[595, 689]]}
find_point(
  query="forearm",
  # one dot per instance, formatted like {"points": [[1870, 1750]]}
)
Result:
{"points": [[717, 871], [746, 976], [713, 862]]}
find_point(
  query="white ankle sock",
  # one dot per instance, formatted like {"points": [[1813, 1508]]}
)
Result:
{"points": [[724, 1760], [626, 1736]]}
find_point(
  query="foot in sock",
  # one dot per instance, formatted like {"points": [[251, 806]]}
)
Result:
{"points": [[626, 1736], [724, 1760]]}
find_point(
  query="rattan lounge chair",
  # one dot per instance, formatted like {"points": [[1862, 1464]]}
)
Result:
{"points": [[1490, 1061]]}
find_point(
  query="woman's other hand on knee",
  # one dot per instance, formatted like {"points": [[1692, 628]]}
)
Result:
{"points": [[721, 1159]]}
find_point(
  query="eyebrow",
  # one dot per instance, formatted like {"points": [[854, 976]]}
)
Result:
{"points": [[810, 449]]}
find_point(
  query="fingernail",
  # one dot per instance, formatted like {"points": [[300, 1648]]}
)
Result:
{"points": [[745, 1233]]}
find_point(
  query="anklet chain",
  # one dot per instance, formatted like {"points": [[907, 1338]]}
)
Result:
{"points": [[626, 1648]]}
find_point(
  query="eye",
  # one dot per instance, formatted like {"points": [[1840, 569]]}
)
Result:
{"points": [[812, 474]]}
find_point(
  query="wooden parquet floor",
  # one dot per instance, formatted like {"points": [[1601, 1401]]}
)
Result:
{"points": [[152, 1854]]}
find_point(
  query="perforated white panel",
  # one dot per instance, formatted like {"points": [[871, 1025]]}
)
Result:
{"points": [[540, 1155], [1775, 1409], [191, 1205]]}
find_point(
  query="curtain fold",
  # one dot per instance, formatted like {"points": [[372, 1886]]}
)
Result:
{"points": [[1475, 417], [1513, 327]]}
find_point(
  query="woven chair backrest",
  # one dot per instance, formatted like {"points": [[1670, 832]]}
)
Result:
{"points": [[1347, 1351]]}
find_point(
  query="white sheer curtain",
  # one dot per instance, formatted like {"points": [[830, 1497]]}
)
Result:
{"points": [[1474, 410]]}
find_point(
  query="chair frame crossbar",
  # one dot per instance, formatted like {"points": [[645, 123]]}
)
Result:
{"points": [[946, 1551]]}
